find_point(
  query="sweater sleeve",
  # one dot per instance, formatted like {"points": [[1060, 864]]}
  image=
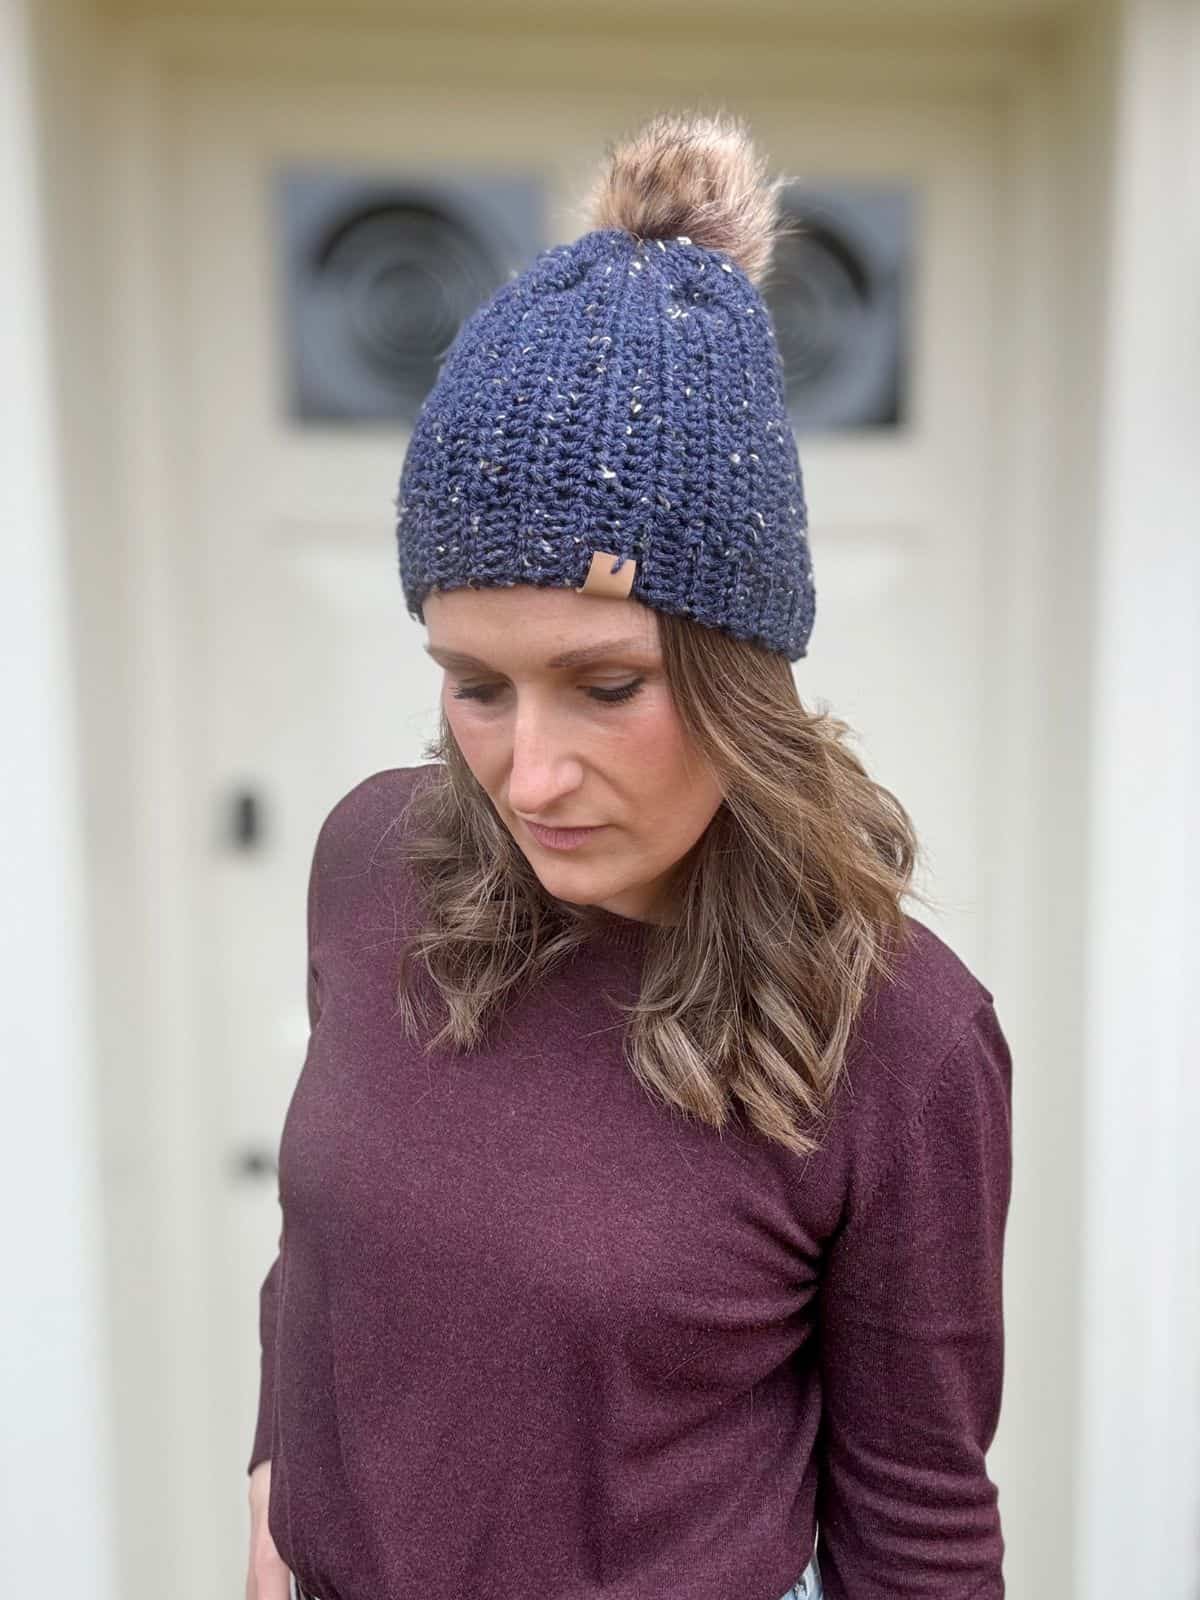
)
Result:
{"points": [[268, 1295], [912, 1347]]}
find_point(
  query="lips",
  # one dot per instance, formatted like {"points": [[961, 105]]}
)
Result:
{"points": [[561, 838]]}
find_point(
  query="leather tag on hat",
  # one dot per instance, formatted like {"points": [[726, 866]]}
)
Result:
{"points": [[602, 580]]}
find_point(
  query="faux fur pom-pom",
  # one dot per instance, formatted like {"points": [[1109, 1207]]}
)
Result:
{"points": [[694, 174]]}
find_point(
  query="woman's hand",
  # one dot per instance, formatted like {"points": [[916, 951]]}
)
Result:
{"points": [[268, 1577]]}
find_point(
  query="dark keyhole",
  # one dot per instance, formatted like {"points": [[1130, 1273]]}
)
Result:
{"points": [[253, 1162], [247, 820]]}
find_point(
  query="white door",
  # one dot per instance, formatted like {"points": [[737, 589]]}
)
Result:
{"points": [[302, 672]]}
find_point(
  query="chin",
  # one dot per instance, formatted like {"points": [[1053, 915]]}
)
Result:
{"points": [[580, 888]]}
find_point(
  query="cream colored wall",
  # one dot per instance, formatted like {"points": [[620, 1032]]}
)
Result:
{"points": [[55, 1398], [1138, 1507], [107, 628]]}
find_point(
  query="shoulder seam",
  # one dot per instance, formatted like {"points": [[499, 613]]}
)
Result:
{"points": [[940, 1074], [332, 865]]}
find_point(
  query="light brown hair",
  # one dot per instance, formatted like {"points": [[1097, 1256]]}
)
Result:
{"points": [[789, 904]]}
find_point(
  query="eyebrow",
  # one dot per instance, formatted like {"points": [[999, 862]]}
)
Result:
{"points": [[567, 658]]}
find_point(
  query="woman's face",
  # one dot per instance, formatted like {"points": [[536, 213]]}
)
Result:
{"points": [[560, 706]]}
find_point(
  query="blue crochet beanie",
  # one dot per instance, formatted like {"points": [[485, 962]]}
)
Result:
{"points": [[613, 419]]}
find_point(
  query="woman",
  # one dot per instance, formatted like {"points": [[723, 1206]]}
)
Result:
{"points": [[645, 1185]]}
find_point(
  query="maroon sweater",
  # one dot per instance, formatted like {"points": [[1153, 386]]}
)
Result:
{"points": [[533, 1336]]}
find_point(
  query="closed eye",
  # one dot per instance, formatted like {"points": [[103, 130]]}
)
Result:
{"points": [[486, 692]]}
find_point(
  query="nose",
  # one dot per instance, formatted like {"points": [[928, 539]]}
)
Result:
{"points": [[544, 769]]}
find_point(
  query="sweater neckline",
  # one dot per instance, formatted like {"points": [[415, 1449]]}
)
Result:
{"points": [[616, 932]]}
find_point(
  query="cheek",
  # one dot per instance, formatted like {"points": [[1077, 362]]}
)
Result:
{"points": [[677, 794], [652, 747]]}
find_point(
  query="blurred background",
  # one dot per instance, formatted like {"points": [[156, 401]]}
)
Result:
{"points": [[238, 236]]}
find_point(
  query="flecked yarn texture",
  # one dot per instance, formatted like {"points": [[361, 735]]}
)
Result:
{"points": [[624, 395]]}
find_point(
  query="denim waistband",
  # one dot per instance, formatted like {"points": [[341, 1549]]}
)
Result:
{"points": [[808, 1585]]}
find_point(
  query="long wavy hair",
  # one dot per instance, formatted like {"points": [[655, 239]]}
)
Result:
{"points": [[789, 905]]}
